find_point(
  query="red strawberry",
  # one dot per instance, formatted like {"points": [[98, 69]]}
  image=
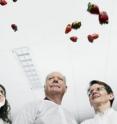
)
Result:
{"points": [[103, 17], [73, 38], [92, 37], [93, 8], [76, 25], [14, 27], [3, 2], [68, 28], [14, 0], [95, 36]]}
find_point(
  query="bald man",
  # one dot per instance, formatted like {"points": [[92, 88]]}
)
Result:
{"points": [[48, 110]]}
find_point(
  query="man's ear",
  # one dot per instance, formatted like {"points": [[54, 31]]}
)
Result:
{"points": [[111, 96], [44, 86], [66, 88]]}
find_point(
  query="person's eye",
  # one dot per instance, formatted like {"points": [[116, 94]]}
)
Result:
{"points": [[50, 78], [90, 92], [61, 79], [98, 89], [2, 92]]}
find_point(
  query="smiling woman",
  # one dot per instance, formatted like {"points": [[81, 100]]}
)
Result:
{"points": [[4, 107]]}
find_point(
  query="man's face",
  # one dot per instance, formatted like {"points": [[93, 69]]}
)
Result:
{"points": [[55, 84], [98, 95]]}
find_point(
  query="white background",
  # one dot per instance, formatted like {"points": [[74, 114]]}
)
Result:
{"points": [[41, 25]]}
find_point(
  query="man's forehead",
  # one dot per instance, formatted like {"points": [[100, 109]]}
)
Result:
{"points": [[95, 86], [55, 74]]}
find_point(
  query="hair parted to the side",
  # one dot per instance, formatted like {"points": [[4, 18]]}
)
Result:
{"points": [[106, 86]]}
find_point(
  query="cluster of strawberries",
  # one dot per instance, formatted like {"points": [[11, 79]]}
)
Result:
{"points": [[93, 9], [75, 25], [3, 3]]}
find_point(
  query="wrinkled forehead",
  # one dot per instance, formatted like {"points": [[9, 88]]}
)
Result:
{"points": [[56, 74]]}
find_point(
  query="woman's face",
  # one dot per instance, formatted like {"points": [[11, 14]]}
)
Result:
{"points": [[2, 96]]}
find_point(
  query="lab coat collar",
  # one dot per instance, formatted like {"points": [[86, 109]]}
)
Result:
{"points": [[105, 113]]}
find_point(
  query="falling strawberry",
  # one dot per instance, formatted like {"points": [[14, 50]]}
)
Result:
{"points": [[68, 28], [103, 17], [92, 37], [93, 8], [73, 39], [14, 27], [76, 24], [3, 2]]}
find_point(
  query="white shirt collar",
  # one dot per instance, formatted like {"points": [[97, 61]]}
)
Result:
{"points": [[105, 113]]}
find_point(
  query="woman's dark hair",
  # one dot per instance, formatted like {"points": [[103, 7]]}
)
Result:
{"points": [[5, 110], [106, 86]]}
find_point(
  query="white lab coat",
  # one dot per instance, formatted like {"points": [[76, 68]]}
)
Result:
{"points": [[44, 112], [107, 117], [2, 122]]}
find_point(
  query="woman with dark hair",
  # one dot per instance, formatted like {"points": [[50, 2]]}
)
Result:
{"points": [[4, 107]]}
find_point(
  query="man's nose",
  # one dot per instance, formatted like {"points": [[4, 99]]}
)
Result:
{"points": [[55, 80], [92, 92], [95, 91]]}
